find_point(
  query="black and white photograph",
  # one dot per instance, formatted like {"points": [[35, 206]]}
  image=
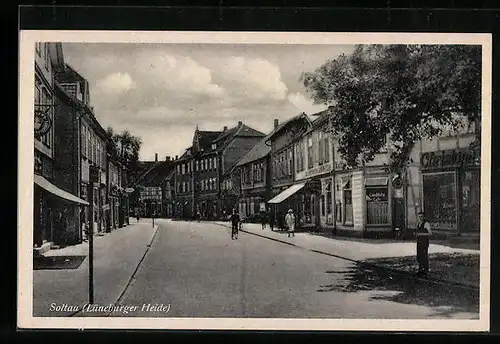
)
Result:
{"points": [[218, 180]]}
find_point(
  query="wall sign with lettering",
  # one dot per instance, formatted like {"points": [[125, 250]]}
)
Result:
{"points": [[450, 158], [377, 194]]}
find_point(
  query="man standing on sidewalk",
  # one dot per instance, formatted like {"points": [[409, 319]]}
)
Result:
{"points": [[423, 232]]}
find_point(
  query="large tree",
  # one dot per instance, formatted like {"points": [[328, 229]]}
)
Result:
{"points": [[400, 92], [124, 146]]}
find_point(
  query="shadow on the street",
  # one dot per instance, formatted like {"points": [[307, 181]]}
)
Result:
{"points": [[395, 287]]}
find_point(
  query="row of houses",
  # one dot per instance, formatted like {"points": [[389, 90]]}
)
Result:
{"points": [[73, 169], [297, 166]]}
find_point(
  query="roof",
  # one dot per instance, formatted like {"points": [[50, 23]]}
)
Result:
{"points": [[205, 138], [154, 173], [260, 150], [293, 119]]}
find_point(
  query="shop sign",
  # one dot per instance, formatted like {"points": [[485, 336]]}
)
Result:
{"points": [[105, 207], [377, 194], [450, 158], [325, 168]]}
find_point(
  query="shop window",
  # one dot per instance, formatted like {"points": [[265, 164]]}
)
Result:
{"points": [[348, 215], [470, 200], [440, 199], [377, 201]]}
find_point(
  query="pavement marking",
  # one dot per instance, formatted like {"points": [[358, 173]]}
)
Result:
{"points": [[366, 264]]}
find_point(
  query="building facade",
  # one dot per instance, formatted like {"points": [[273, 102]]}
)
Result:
{"points": [[149, 187], [201, 171], [314, 163], [91, 139], [442, 179], [254, 171], [287, 194], [56, 202]]}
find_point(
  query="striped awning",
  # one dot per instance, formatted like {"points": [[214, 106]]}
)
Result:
{"points": [[287, 193], [48, 186]]}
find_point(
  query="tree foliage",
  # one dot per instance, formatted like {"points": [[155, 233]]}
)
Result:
{"points": [[124, 147], [400, 92]]}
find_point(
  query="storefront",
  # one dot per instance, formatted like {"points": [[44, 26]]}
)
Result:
{"points": [[451, 190], [56, 214], [302, 198]]}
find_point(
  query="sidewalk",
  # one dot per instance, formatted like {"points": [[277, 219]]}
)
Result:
{"points": [[447, 264], [116, 255]]}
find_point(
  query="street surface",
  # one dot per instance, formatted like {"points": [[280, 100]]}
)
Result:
{"points": [[195, 270]]}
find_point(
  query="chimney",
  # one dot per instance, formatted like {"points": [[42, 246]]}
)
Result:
{"points": [[167, 158], [276, 122], [225, 128], [176, 157], [240, 123], [156, 157]]}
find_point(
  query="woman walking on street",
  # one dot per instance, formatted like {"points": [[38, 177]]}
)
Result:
{"points": [[423, 233], [290, 222]]}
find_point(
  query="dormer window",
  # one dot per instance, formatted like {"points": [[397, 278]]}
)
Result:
{"points": [[214, 146]]}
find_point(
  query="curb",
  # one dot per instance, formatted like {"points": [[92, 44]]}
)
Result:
{"points": [[148, 246], [366, 264]]}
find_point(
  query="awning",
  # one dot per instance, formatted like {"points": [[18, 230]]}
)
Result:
{"points": [[287, 193], [376, 181], [48, 186]]}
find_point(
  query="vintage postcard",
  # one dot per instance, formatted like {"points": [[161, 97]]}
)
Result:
{"points": [[254, 181]]}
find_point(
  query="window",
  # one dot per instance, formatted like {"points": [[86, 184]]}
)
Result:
{"points": [[215, 163], [348, 215], [290, 162], [439, 200], [210, 163], [377, 201], [309, 151], [197, 165], [178, 169], [214, 146], [326, 147], [183, 169], [84, 141], [47, 56]]}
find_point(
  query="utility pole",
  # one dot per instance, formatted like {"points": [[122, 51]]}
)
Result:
{"points": [[94, 175]]}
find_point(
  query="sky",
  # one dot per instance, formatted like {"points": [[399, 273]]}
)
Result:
{"points": [[162, 92]]}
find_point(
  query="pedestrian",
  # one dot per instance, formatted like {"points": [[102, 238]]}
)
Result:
{"points": [[423, 233], [263, 219], [271, 220], [290, 222], [198, 216], [137, 215], [235, 223]]}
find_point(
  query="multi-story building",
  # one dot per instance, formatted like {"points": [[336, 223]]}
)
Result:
{"points": [[314, 163], [288, 194], [202, 168], [149, 187], [56, 201], [89, 146], [442, 178], [255, 177]]}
